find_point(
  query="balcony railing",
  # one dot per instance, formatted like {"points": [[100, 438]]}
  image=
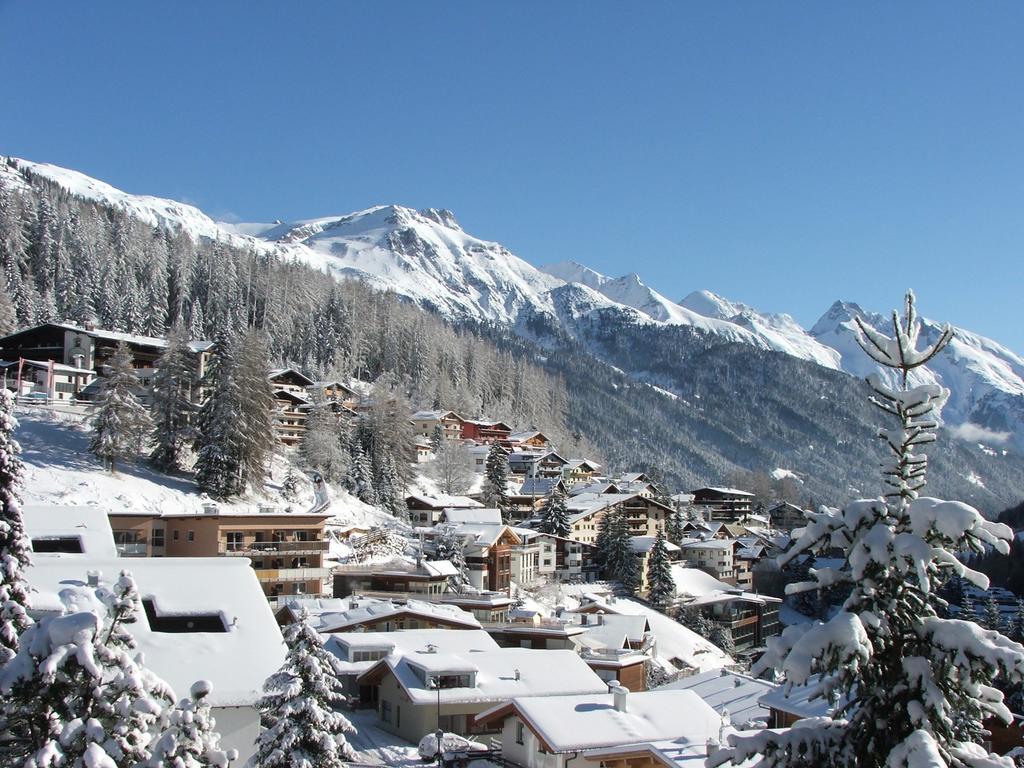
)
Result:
{"points": [[245, 549], [133, 549], [292, 574]]}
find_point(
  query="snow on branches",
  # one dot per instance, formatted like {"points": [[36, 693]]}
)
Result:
{"points": [[902, 685]]}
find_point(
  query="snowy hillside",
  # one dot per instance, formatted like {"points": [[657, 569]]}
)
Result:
{"points": [[427, 257]]}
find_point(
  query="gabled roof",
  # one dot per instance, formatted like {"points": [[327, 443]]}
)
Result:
{"points": [[443, 501], [646, 544], [635, 477], [724, 690], [714, 490], [436, 415], [585, 464], [500, 674], [572, 723], [286, 374], [539, 486], [355, 611], [291, 397], [521, 437], [598, 487]]}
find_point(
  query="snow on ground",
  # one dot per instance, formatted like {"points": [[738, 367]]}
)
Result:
{"points": [[779, 473], [789, 616], [60, 470]]}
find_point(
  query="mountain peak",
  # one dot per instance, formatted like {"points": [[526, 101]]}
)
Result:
{"points": [[574, 272], [441, 216]]}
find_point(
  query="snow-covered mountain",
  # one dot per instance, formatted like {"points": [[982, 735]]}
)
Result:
{"points": [[427, 257]]}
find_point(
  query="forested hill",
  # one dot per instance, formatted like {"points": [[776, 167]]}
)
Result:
{"points": [[711, 408]]}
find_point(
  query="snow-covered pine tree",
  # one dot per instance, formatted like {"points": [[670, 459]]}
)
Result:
{"points": [[695, 619], [967, 611], [911, 688], [77, 696], [302, 727], [993, 618], [495, 489], [14, 544], [621, 562], [661, 587], [601, 541], [359, 481], [8, 318], [290, 484], [674, 527], [554, 515], [219, 432], [190, 739], [256, 415], [173, 386], [1016, 628], [450, 547], [321, 448], [120, 422], [436, 438]]}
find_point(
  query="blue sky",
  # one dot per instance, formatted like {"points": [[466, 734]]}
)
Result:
{"points": [[781, 154]]}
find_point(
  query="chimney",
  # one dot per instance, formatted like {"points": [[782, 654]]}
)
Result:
{"points": [[517, 674], [93, 578], [619, 694], [431, 648]]}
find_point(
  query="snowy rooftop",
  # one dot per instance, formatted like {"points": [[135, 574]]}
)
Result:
{"points": [[732, 691], [572, 723], [353, 611], [725, 491], [646, 543], [480, 515], [704, 589], [237, 658], [585, 504], [444, 501], [675, 644], [611, 630], [501, 674], [592, 488], [88, 526], [403, 642]]}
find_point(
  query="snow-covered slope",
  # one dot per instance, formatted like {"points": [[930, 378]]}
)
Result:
{"points": [[426, 256], [985, 379]]}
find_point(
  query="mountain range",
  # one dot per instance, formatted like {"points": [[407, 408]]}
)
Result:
{"points": [[426, 257]]}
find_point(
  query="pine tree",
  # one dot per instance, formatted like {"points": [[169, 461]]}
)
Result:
{"points": [[302, 727], [321, 447], [695, 619], [14, 544], [256, 416], [290, 484], [661, 587], [554, 515], [8, 318], [359, 480], [495, 490], [910, 688], [120, 422], [173, 410], [77, 694], [1016, 628], [621, 562], [674, 528], [190, 739], [721, 636], [967, 611], [437, 439], [993, 618], [219, 440]]}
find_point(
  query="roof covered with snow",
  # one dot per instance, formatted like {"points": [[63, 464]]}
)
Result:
{"points": [[728, 691], [89, 525], [580, 722], [237, 660], [354, 611], [478, 515], [444, 501]]}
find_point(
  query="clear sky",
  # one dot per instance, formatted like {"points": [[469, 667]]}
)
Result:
{"points": [[782, 154]]}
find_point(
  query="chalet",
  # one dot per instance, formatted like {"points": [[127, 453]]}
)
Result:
{"points": [[356, 652], [56, 381], [530, 464], [752, 618], [575, 561], [291, 410], [786, 516], [424, 424], [335, 392], [580, 471], [613, 728], [202, 619], [285, 549], [644, 514], [597, 486], [87, 348], [529, 440], [714, 556], [429, 510], [436, 688], [531, 495], [727, 505], [488, 549], [369, 614], [642, 546], [485, 432], [398, 577]]}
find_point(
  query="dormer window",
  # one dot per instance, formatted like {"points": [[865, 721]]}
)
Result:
{"points": [[58, 544], [182, 622]]}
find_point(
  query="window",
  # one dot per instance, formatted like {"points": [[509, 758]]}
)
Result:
{"points": [[191, 535], [520, 732], [236, 541], [398, 716], [157, 537], [174, 535], [62, 544], [181, 623]]}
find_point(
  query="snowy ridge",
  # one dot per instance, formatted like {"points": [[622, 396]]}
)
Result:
{"points": [[427, 257]]}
